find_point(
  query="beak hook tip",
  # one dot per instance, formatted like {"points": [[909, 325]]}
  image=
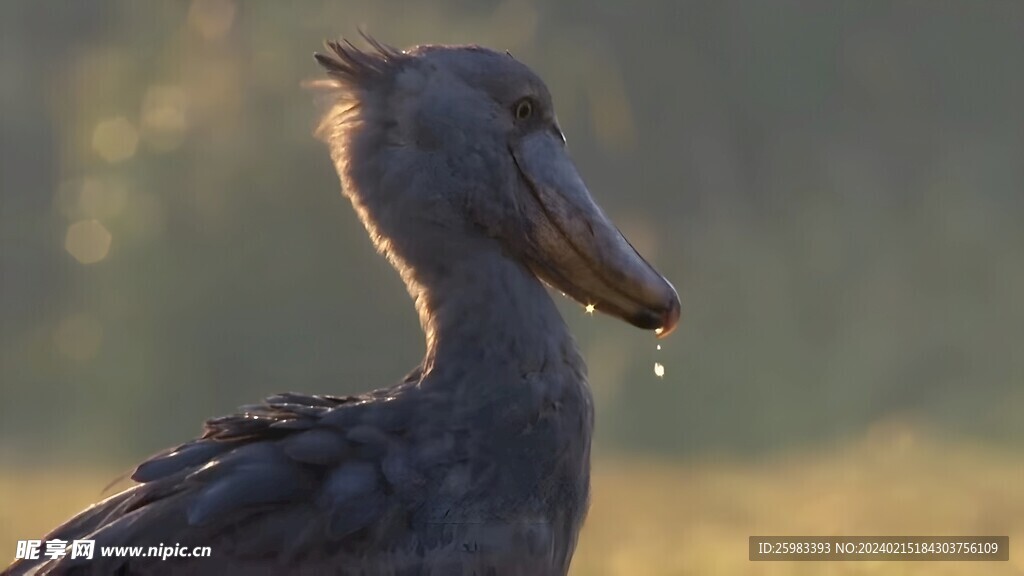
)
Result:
{"points": [[671, 318]]}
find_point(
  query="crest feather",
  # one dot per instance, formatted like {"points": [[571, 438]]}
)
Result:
{"points": [[352, 73], [354, 69]]}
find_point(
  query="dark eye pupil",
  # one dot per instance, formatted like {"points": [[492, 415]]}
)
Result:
{"points": [[523, 110]]}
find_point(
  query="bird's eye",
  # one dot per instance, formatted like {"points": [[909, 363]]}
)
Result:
{"points": [[523, 109]]}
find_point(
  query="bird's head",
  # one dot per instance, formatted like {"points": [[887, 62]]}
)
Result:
{"points": [[464, 141]]}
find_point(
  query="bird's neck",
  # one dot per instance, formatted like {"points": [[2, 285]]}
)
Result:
{"points": [[483, 311]]}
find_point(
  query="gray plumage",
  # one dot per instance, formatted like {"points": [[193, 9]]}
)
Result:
{"points": [[479, 461]]}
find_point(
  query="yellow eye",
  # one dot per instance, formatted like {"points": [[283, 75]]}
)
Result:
{"points": [[523, 109]]}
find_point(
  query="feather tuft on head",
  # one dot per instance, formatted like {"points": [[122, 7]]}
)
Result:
{"points": [[353, 68], [352, 75]]}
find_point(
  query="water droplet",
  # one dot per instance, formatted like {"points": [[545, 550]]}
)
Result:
{"points": [[659, 370], [659, 346], [659, 331]]}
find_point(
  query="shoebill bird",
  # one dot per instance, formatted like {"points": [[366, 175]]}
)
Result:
{"points": [[478, 462]]}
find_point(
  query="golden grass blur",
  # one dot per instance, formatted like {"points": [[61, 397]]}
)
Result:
{"points": [[652, 518]]}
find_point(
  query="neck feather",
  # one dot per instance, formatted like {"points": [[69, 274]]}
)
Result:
{"points": [[481, 309]]}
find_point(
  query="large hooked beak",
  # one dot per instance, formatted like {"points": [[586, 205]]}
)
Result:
{"points": [[574, 247]]}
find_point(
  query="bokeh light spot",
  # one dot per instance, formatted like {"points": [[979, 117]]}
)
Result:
{"points": [[211, 18], [163, 119], [88, 241], [115, 139], [102, 198]]}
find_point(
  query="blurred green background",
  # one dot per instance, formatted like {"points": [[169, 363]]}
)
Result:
{"points": [[836, 188]]}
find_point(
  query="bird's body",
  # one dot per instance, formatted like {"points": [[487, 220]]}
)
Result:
{"points": [[479, 461]]}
